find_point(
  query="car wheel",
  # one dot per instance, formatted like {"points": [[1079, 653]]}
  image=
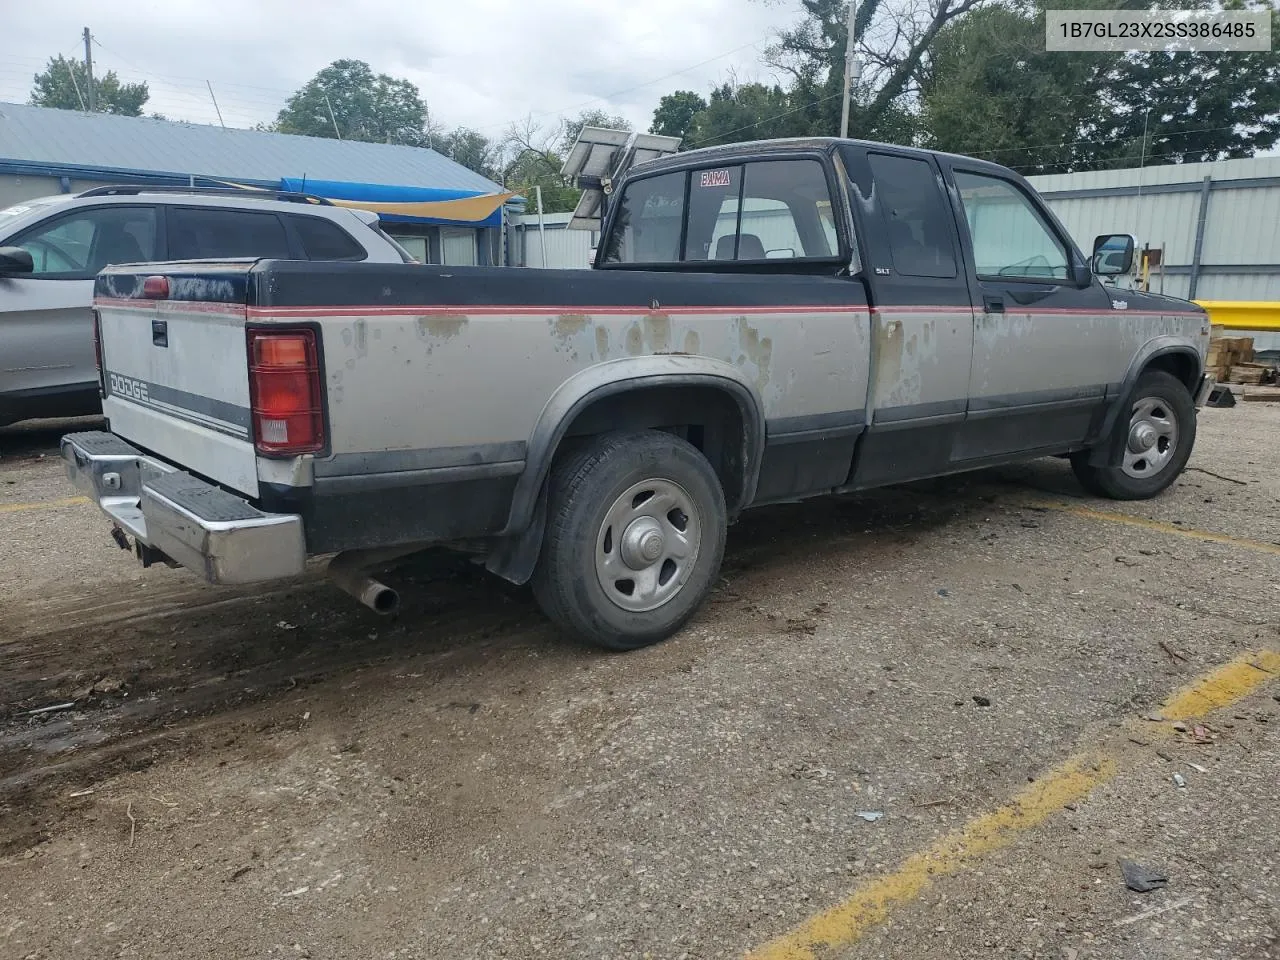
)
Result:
{"points": [[635, 535], [1150, 447]]}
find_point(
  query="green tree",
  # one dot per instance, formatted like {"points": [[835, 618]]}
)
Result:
{"points": [[993, 91], [55, 87], [472, 149], [349, 100], [675, 113], [893, 40], [749, 111], [1187, 107]]}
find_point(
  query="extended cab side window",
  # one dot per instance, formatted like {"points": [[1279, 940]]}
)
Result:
{"points": [[917, 224], [649, 219], [213, 233], [77, 246], [783, 212], [1010, 239]]}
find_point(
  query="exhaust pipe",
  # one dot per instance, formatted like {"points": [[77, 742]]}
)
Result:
{"points": [[347, 572]]}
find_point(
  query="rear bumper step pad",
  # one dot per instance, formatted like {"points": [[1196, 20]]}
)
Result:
{"points": [[218, 535]]}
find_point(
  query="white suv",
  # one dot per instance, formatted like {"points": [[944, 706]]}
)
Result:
{"points": [[51, 248]]}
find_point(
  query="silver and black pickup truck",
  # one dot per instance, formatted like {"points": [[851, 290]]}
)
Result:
{"points": [[764, 322]]}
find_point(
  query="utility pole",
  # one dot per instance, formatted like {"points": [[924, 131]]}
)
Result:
{"points": [[336, 132], [852, 69], [88, 68], [216, 108]]}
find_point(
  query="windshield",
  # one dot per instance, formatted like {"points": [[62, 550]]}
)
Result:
{"points": [[9, 214]]}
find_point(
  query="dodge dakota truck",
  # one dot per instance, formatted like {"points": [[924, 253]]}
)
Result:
{"points": [[764, 322]]}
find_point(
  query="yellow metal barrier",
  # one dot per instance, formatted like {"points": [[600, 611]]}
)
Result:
{"points": [[1243, 314]]}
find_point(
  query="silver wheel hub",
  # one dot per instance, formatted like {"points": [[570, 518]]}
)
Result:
{"points": [[1142, 437], [1153, 438], [648, 544], [642, 543]]}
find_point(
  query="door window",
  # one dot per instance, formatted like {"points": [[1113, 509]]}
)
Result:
{"points": [[211, 233], [918, 225], [77, 246], [1010, 239]]}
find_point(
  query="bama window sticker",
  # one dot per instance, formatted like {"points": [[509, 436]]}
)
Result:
{"points": [[715, 178]]}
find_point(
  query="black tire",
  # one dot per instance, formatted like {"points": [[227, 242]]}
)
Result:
{"points": [[586, 488], [1173, 401]]}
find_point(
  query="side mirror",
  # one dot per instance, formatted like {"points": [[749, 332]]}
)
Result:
{"points": [[16, 260], [1113, 254]]}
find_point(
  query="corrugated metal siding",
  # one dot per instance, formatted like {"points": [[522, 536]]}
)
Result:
{"points": [[1242, 224], [566, 249], [43, 135], [1168, 219]]}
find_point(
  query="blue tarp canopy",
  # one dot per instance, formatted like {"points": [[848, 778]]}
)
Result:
{"points": [[372, 195]]}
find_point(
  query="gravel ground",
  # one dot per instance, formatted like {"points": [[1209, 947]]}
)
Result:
{"points": [[279, 773]]}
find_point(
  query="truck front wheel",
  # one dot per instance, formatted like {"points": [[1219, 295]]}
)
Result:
{"points": [[634, 538], [1149, 447]]}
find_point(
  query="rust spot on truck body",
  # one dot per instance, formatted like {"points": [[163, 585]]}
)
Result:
{"points": [[570, 324], [635, 340], [657, 330], [444, 326]]}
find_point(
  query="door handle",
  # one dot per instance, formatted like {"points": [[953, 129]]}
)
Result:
{"points": [[160, 333], [993, 304]]}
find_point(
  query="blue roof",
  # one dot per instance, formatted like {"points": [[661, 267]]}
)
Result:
{"points": [[99, 145]]}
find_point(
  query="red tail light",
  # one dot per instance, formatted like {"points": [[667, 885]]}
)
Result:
{"points": [[155, 288], [285, 392]]}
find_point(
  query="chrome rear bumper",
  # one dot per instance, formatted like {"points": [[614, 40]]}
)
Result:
{"points": [[218, 535]]}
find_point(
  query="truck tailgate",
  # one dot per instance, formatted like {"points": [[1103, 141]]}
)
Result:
{"points": [[175, 369]]}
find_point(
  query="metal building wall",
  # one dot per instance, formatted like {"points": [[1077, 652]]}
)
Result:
{"points": [[1238, 255], [566, 249], [16, 189]]}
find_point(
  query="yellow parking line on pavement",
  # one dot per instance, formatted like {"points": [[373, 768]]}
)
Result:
{"points": [[1157, 525], [1072, 780], [1223, 687], [42, 504]]}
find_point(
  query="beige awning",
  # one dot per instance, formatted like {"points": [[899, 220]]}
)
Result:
{"points": [[466, 210]]}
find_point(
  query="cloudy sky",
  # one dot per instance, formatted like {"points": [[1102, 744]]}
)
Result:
{"points": [[481, 63]]}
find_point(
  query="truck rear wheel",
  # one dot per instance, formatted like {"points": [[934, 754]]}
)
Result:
{"points": [[635, 535], [1149, 447]]}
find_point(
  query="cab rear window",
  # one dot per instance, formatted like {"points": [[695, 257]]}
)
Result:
{"points": [[760, 210]]}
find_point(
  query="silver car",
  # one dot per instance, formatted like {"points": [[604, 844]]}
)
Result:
{"points": [[51, 248]]}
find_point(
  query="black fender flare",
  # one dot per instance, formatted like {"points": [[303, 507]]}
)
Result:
{"points": [[1102, 451], [519, 541]]}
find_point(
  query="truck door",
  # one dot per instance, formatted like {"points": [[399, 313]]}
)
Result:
{"points": [[1044, 354], [921, 318]]}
